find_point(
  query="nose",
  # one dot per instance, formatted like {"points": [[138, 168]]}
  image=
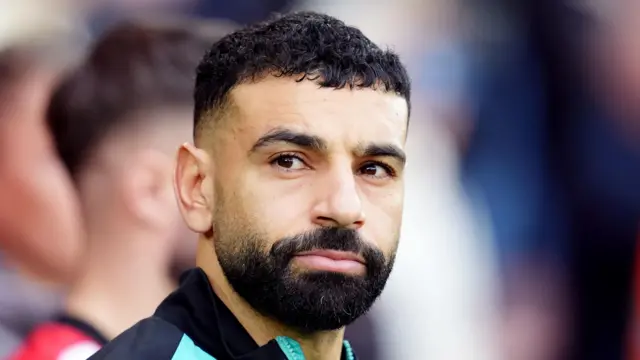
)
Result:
{"points": [[339, 202]]}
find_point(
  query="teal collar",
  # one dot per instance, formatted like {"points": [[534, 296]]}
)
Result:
{"points": [[293, 351]]}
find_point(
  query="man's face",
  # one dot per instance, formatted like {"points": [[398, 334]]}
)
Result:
{"points": [[307, 198]]}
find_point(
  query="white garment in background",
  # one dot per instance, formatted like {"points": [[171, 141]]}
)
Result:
{"points": [[37, 20], [440, 302]]}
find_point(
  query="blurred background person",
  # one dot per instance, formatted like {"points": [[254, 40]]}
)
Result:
{"points": [[31, 170], [598, 140], [508, 170], [38, 207], [39, 226], [132, 96], [560, 181]]}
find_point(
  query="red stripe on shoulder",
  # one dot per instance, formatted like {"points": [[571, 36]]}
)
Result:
{"points": [[55, 341]]}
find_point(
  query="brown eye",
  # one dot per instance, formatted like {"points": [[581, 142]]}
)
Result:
{"points": [[288, 162], [285, 162], [376, 170], [370, 169]]}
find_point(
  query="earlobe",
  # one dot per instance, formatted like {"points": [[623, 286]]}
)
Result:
{"points": [[193, 188]]}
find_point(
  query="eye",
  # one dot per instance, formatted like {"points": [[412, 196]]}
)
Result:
{"points": [[376, 170], [289, 162]]}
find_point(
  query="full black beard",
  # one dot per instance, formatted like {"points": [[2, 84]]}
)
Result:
{"points": [[307, 301]]}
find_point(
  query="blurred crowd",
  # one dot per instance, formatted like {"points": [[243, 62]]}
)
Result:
{"points": [[523, 186]]}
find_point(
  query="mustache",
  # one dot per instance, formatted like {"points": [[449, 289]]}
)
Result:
{"points": [[327, 238]]}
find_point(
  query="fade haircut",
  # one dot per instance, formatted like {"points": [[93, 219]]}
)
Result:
{"points": [[304, 45], [134, 67]]}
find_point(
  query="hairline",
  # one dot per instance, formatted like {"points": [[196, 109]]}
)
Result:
{"points": [[217, 112], [138, 121]]}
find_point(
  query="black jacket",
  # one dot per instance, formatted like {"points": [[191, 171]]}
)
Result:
{"points": [[192, 323]]}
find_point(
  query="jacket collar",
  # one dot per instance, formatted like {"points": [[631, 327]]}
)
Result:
{"points": [[198, 312], [82, 326]]}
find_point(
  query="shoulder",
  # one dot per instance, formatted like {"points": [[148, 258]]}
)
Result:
{"points": [[54, 341], [151, 338]]}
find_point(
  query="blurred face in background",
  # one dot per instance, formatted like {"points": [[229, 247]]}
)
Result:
{"points": [[39, 219], [118, 120], [292, 176]]}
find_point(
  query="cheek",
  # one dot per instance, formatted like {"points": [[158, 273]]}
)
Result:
{"points": [[41, 194], [281, 207], [383, 220]]}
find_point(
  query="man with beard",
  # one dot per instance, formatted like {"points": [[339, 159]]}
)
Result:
{"points": [[117, 121], [295, 183]]}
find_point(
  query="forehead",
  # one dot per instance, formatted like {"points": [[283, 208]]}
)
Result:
{"points": [[345, 114]]}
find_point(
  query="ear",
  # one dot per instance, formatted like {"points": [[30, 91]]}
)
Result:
{"points": [[193, 187], [148, 189]]}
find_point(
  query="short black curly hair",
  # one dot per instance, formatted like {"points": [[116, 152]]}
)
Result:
{"points": [[305, 45]]}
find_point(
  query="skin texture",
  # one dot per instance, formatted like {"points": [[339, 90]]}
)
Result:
{"points": [[236, 189]]}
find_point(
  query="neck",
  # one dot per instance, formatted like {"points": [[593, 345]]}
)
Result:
{"points": [[322, 345], [123, 281]]}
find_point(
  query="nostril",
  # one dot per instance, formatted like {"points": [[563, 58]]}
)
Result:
{"points": [[326, 221], [357, 224]]}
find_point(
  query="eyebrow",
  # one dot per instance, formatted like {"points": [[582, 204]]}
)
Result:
{"points": [[298, 139], [382, 150], [317, 144]]}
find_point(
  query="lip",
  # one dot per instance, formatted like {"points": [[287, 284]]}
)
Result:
{"points": [[335, 255]]}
